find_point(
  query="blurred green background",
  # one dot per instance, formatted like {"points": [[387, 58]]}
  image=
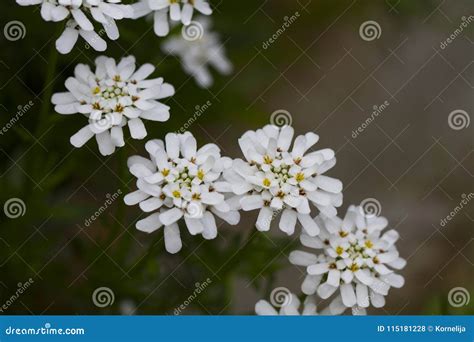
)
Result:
{"points": [[325, 75]]}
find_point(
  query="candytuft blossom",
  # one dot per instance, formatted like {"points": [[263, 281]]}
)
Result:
{"points": [[199, 49], [354, 257], [277, 177], [165, 11], [112, 97], [81, 15], [179, 181]]}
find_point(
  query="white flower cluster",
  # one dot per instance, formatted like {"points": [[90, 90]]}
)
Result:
{"points": [[355, 262], [80, 15], [198, 49], [181, 181], [277, 176], [112, 97], [165, 11], [355, 258]]}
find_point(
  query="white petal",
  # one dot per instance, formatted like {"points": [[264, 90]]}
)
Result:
{"points": [[67, 40], [137, 128], [135, 197], [106, 146], [173, 242], [149, 224], [325, 290], [171, 216], [94, 40], [82, 20], [194, 225], [309, 225], [81, 137], [210, 228], [151, 204], [288, 221], [116, 133], [263, 308], [362, 293], [302, 258], [161, 25], [348, 296], [329, 184], [187, 14], [264, 219], [251, 202], [334, 277], [364, 276], [318, 268], [285, 137]]}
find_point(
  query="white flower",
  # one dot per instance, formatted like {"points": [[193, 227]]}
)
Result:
{"points": [[180, 181], [175, 10], [81, 15], [112, 97], [356, 258], [275, 178], [199, 48]]}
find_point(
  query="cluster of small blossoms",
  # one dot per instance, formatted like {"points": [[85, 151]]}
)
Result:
{"points": [[199, 49], [356, 262], [80, 15], [277, 177], [181, 181], [112, 97], [165, 11]]}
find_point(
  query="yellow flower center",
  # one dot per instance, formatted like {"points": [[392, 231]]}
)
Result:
{"points": [[266, 182], [339, 250], [299, 177], [267, 159], [165, 172], [176, 194], [369, 244], [343, 233], [200, 174], [354, 267]]}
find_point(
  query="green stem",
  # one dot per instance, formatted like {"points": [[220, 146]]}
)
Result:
{"points": [[45, 109], [43, 119]]}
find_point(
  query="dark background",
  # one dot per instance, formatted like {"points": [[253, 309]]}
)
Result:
{"points": [[325, 75]]}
